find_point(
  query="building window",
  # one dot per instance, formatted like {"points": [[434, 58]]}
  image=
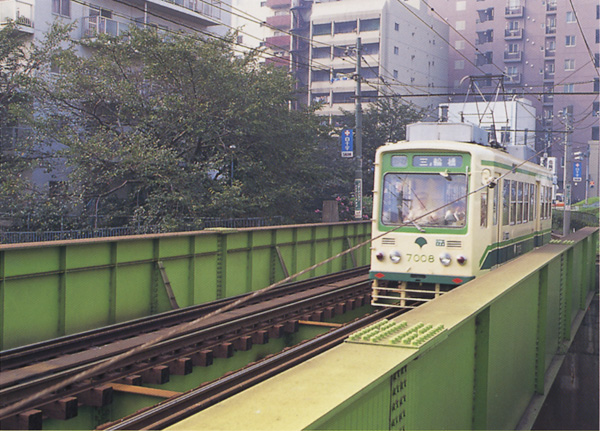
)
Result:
{"points": [[461, 5], [396, 26], [321, 52], [395, 74], [346, 97], [369, 24], [459, 64], [596, 84], [513, 48], [570, 16], [344, 27], [596, 109], [595, 133], [485, 58], [486, 14], [396, 50], [568, 88], [460, 25], [570, 40], [596, 60], [320, 75], [597, 35], [61, 7], [322, 29], [370, 48], [459, 44], [569, 64]]}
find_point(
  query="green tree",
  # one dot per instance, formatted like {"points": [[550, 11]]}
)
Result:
{"points": [[174, 128], [21, 62]]}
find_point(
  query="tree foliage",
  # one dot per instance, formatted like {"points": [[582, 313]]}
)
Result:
{"points": [[167, 130]]}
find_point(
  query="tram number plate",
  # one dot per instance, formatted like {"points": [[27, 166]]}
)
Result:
{"points": [[421, 258]]}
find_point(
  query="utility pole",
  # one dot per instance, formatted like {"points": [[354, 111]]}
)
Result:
{"points": [[567, 180], [358, 176]]}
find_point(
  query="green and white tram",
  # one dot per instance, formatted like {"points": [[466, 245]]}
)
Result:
{"points": [[447, 210]]}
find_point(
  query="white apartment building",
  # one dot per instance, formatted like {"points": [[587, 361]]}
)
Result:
{"points": [[402, 53], [94, 17], [114, 17]]}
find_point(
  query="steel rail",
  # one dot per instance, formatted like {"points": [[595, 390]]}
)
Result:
{"points": [[18, 384], [182, 406], [24, 355]]}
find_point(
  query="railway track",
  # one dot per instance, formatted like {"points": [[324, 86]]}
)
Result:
{"points": [[31, 370], [182, 406]]}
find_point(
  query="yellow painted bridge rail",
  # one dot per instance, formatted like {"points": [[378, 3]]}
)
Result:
{"points": [[57, 288], [482, 356]]}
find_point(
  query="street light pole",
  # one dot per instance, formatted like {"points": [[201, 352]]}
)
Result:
{"points": [[566, 180], [358, 176]]}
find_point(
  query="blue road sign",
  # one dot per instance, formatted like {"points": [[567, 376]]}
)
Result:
{"points": [[347, 141], [577, 174]]}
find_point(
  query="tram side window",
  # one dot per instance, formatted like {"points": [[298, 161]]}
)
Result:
{"points": [[495, 206], [484, 208], [519, 201], [544, 207], [531, 202], [548, 202], [513, 201], [505, 201], [525, 203]]}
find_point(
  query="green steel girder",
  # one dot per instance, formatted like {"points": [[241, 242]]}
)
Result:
{"points": [[490, 368], [62, 287]]}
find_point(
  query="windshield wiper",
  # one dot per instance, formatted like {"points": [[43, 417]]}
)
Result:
{"points": [[414, 223]]}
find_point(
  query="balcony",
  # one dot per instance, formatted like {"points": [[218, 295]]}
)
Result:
{"points": [[280, 21], [512, 56], [549, 53], [92, 26], [18, 11], [551, 6], [513, 79], [278, 42], [513, 34], [548, 75], [277, 4], [548, 99], [514, 12], [551, 30], [205, 12]]}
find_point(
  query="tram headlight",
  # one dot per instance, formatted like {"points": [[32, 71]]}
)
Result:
{"points": [[461, 259], [445, 259], [395, 256], [380, 256]]}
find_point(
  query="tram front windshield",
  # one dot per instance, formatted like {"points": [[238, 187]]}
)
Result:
{"points": [[420, 200]]}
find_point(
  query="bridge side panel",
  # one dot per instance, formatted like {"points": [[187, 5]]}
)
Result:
{"points": [[57, 288]]}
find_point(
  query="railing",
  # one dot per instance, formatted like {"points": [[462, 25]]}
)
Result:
{"points": [[513, 79], [512, 56], [551, 7], [549, 53], [513, 33], [550, 30], [210, 8], [59, 235], [18, 11], [96, 25], [513, 11]]}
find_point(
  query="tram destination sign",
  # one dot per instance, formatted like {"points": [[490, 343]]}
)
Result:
{"points": [[437, 161]]}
